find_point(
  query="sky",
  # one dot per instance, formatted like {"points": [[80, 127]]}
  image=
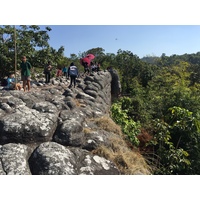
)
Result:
{"points": [[141, 40], [143, 27]]}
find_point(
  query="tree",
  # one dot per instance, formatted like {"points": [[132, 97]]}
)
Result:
{"points": [[7, 49], [98, 52], [31, 41], [128, 65], [176, 140]]}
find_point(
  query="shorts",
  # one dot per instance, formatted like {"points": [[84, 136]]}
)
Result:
{"points": [[26, 78]]}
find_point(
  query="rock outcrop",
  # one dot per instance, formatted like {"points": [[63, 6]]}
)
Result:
{"points": [[54, 129]]}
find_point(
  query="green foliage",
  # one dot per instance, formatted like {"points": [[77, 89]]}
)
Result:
{"points": [[176, 142], [172, 82], [32, 42], [129, 127], [169, 159]]}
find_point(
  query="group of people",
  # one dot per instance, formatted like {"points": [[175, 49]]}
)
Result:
{"points": [[93, 67], [70, 72], [25, 76]]}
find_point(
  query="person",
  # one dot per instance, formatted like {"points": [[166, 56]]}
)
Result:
{"points": [[64, 71], [59, 72], [72, 73], [110, 69], [4, 81], [98, 67], [11, 83], [86, 68], [47, 72], [93, 67], [26, 73]]}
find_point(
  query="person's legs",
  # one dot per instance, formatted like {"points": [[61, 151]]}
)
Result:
{"points": [[24, 84], [46, 77], [29, 85], [88, 70], [74, 81], [27, 81], [49, 78], [70, 81]]}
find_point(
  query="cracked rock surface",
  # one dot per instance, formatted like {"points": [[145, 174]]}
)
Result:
{"points": [[51, 131]]}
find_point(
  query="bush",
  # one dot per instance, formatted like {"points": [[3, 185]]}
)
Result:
{"points": [[129, 127]]}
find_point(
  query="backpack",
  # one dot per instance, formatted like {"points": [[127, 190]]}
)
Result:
{"points": [[73, 71]]}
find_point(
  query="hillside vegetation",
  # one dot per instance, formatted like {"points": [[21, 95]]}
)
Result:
{"points": [[159, 110]]}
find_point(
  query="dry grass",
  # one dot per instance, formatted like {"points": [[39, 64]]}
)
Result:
{"points": [[128, 161], [107, 124], [78, 104], [87, 130]]}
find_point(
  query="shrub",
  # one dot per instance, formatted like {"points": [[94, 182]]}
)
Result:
{"points": [[129, 127]]}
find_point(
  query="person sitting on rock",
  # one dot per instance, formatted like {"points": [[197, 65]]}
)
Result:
{"points": [[11, 83]]}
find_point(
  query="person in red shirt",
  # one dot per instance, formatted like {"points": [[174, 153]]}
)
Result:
{"points": [[59, 72]]}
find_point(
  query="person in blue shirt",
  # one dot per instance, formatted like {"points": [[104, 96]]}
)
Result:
{"points": [[72, 73], [11, 83], [64, 71]]}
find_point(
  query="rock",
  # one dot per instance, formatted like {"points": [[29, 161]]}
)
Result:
{"points": [[27, 126], [51, 158], [70, 133], [52, 130], [14, 159]]}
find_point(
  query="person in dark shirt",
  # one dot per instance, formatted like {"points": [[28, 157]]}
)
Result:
{"points": [[47, 72]]}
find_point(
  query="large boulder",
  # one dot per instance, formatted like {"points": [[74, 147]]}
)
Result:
{"points": [[51, 158], [27, 125], [14, 159]]}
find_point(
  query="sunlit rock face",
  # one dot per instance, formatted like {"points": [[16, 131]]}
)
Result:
{"points": [[50, 130]]}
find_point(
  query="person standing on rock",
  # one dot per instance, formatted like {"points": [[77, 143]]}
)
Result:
{"points": [[59, 72], [26, 73], [72, 73], [64, 71], [47, 72]]}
